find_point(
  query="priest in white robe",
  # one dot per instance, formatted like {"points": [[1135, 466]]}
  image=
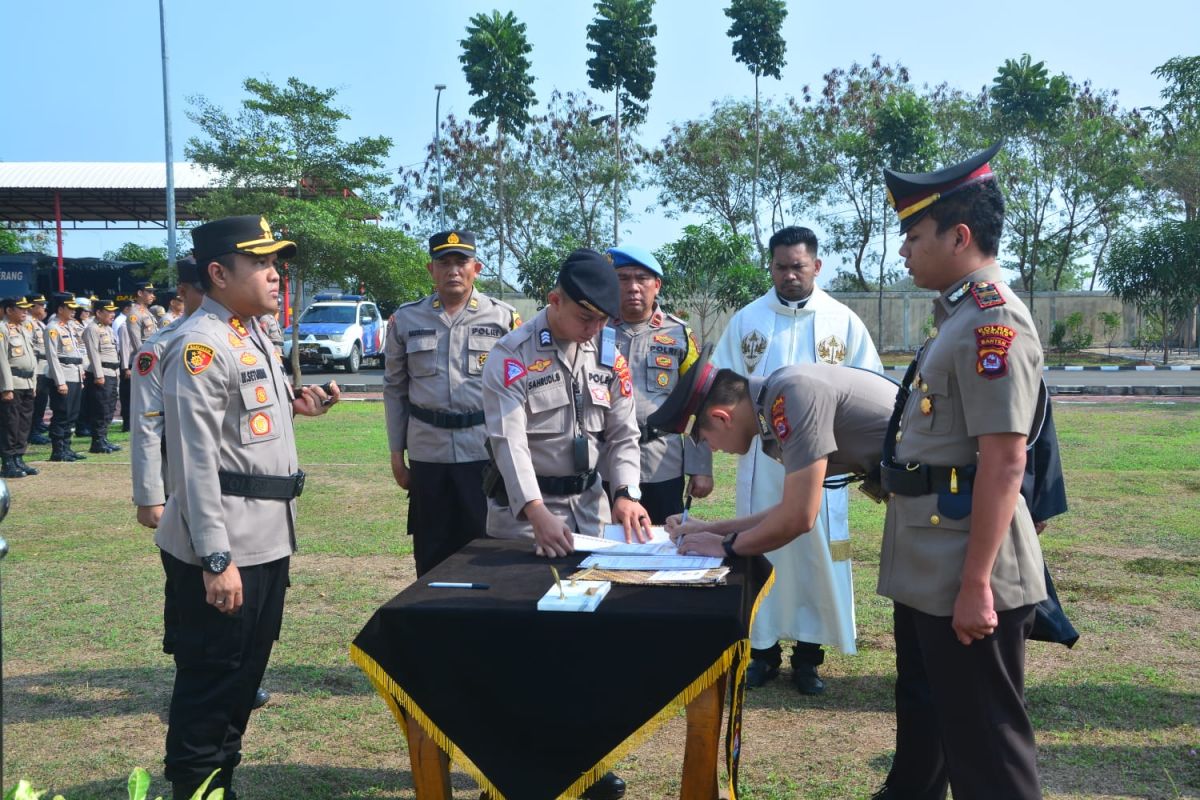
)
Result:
{"points": [[796, 322]]}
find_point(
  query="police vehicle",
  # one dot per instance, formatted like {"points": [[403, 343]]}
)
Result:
{"points": [[339, 329]]}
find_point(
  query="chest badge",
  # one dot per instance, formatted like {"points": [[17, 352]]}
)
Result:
{"points": [[249, 359], [831, 350], [926, 406], [754, 344], [260, 424], [260, 394]]}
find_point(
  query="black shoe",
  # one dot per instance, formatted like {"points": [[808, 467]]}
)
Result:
{"points": [[98, 446], [71, 455], [759, 673], [83, 433], [112, 448], [609, 787], [59, 453], [28, 469], [806, 679], [39, 438], [10, 469], [261, 698]]}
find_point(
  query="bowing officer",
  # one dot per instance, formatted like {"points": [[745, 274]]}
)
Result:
{"points": [[66, 361], [18, 374], [432, 397], [659, 347], [963, 567]]}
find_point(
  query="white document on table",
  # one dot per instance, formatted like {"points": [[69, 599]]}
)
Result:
{"points": [[591, 544], [617, 533], [606, 559]]}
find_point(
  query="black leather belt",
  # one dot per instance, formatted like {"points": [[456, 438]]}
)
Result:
{"points": [[568, 484], [646, 434], [18, 372], [447, 419], [267, 487], [111, 364], [920, 479], [70, 360]]}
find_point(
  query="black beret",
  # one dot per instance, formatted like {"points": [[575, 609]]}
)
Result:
{"points": [[911, 194], [676, 413], [589, 279], [250, 234], [447, 242]]}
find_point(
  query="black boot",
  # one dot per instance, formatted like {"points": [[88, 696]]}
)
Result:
{"points": [[70, 454], [28, 469], [97, 445], [59, 451], [111, 448], [38, 437], [609, 787], [10, 468]]}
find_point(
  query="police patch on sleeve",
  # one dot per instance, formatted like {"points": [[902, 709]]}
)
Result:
{"points": [[197, 357], [621, 370], [146, 362], [779, 420], [992, 343], [513, 371]]}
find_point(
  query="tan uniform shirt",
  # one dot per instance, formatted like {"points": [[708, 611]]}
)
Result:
{"points": [[101, 346], [811, 411], [140, 326], [66, 356], [147, 423], [18, 364], [37, 334], [435, 361], [228, 407], [529, 384], [657, 351], [978, 374]]}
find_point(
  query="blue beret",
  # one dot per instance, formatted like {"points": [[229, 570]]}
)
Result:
{"points": [[631, 255]]}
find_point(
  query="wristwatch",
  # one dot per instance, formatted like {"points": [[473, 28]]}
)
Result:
{"points": [[727, 543], [215, 563], [633, 492]]}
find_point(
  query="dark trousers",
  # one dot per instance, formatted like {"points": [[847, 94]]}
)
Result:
{"points": [[103, 405], [16, 416], [123, 394], [87, 405], [44, 389], [64, 409], [446, 509], [960, 711], [219, 663], [808, 653], [660, 500]]}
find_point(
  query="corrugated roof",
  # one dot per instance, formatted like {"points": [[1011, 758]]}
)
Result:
{"points": [[102, 175]]}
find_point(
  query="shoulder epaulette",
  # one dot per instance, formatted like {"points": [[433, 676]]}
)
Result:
{"points": [[986, 294]]}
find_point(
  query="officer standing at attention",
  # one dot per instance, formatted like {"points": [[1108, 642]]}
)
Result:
{"points": [[432, 397], [18, 373], [35, 324], [228, 529], [963, 568], [67, 363], [659, 348], [103, 374], [121, 326]]}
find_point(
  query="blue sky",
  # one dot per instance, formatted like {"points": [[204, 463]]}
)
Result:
{"points": [[84, 78]]}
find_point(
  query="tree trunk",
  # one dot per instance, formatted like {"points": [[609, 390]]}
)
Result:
{"points": [[754, 183]]}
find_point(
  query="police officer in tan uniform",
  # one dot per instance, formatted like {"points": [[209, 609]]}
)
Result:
{"points": [[18, 374], [960, 557], [270, 326], [659, 347], [228, 529], [35, 324], [103, 374], [141, 323], [432, 397], [66, 365]]}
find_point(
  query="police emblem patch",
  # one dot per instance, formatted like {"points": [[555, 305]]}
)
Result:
{"points": [[482, 359], [513, 371], [662, 338], [260, 394], [249, 359], [831, 350], [197, 357], [540, 365], [779, 420], [663, 361], [145, 363], [260, 424], [754, 344], [662, 379], [992, 343]]}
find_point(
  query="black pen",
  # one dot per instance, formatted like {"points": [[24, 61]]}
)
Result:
{"points": [[687, 506], [447, 585]]}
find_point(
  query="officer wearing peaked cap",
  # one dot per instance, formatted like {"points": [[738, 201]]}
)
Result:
{"points": [[35, 325], [142, 322], [18, 372], [659, 348], [433, 399], [103, 374], [67, 362], [960, 557]]}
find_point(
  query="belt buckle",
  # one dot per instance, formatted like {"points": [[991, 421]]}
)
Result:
{"points": [[911, 467]]}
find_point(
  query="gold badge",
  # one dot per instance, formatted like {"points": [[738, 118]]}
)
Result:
{"points": [[237, 325], [663, 379], [236, 341], [260, 394], [831, 350], [249, 359], [452, 238], [266, 228], [541, 365], [926, 406], [260, 424], [482, 359]]}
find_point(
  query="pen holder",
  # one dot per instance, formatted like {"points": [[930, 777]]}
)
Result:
{"points": [[579, 596]]}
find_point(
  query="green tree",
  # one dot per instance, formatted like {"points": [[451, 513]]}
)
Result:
{"points": [[707, 271], [621, 40], [758, 43], [155, 259], [1175, 165], [497, 72], [9, 241], [1156, 269]]}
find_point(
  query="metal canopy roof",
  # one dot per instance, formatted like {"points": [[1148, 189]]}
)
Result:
{"points": [[98, 195]]}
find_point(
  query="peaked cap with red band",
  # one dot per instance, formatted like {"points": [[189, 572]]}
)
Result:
{"points": [[911, 194], [675, 414]]}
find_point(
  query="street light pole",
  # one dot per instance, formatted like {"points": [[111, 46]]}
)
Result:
{"points": [[437, 138], [171, 246]]}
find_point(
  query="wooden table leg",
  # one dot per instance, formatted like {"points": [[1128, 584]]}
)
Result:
{"points": [[430, 766], [701, 754]]}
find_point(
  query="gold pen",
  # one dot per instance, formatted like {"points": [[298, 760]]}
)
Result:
{"points": [[561, 594]]}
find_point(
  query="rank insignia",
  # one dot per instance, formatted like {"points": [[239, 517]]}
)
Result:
{"points": [[926, 406], [779, 420], [656, 321], [992, 343], [986, 295], [237, 325], [662, 379], [513, 371], [236, 341], [197, 357], [544, 337], [474, 304], [260, 424], [437, 303], [600, 394], [663, 361], [662, 338], [249, 359], [482, 359], [540, 365], [145, 363], [260, 394]]}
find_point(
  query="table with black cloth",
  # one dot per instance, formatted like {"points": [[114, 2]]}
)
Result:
{"points": [[539, 705]]}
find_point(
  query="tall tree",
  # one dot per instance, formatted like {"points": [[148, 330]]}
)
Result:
{"points": [[497, 71], [1175, 168], [758, 43], [621, 40], [155, 259]]}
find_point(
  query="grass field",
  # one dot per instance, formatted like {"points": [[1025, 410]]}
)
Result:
{"points": [[86, 685]]}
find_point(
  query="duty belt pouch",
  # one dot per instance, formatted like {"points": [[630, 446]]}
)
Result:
{"points": [[957, 504], [872, 486], [493, 481]]}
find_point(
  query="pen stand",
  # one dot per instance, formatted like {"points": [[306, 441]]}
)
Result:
{"points": [[579, 596]]}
